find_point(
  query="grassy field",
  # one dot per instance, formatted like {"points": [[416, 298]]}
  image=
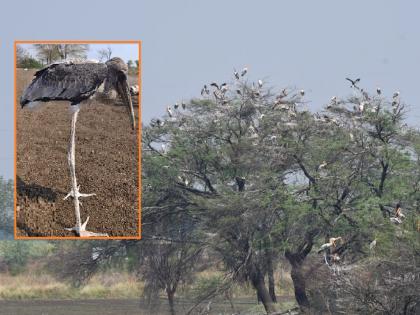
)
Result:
{"points": [[38, 286], [117, 293]]}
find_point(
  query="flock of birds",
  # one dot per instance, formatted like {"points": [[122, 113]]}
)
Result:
{"points": [[331, 255]]}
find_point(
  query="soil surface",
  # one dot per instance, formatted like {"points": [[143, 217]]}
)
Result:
{"points": [[125, 307], [106, 164]]}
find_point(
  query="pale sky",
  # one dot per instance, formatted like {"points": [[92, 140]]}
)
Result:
{"points": [[306, 44]]}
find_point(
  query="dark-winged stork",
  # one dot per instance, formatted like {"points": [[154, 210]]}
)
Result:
{"points": [[353, 82], [76, 82]]}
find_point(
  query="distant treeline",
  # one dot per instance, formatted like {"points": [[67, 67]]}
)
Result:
{"points": [[6, 208], [49, 53]]}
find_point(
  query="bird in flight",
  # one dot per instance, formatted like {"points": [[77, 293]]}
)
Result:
{"points": [[353, 82]]}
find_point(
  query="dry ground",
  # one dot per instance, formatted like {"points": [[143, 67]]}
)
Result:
{"points": [[106, 164]]}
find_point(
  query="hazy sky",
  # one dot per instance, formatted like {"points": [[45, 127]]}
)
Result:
{"points": [[312, 45]]}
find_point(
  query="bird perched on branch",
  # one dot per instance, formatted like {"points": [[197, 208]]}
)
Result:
{"points": [[331, 243], [169, 110], [215, 85], [322, 165], [398, 211], [372, 244], [236, 74], [244, 71], [205, 90]]}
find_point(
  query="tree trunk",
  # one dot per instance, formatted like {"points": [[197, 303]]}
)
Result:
{"points": [[171, 301], [300, 286], [262, 293], [296, 260], [270, 272], [271, 285]]}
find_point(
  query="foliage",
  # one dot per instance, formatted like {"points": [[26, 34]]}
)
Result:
{"points": [[49, 53], [6, 208]]}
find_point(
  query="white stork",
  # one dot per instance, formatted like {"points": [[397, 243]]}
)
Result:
{"points": [[169, 111]]}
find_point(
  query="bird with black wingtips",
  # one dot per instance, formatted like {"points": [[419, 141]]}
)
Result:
{"points": [[353, 82], [236, 74], [76, 82]]}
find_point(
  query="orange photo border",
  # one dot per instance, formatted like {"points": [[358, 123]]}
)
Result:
{"points": [[139, 133]]}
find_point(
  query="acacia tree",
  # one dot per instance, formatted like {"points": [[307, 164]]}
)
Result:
{"points": [[251, 174], [223, 154], [233, 154], [49, 53], [105, 54]]}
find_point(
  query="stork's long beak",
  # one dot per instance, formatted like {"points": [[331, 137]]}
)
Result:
{"points": [[124, 91]]}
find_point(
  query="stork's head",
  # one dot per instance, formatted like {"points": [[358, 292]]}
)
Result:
{"points": [[117, 75]]}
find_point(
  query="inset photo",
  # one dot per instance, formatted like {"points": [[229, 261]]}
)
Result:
{"points": [[77, 139]]}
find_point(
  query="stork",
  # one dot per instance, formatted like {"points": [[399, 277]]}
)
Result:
{"points": [[378, 91], [244, 71], [331, 243], [372, 245], [398, 212], [236, 74], [169, 110], [322, 165], [353, 82], [76, 82], [260, 83], [215, 85]]}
